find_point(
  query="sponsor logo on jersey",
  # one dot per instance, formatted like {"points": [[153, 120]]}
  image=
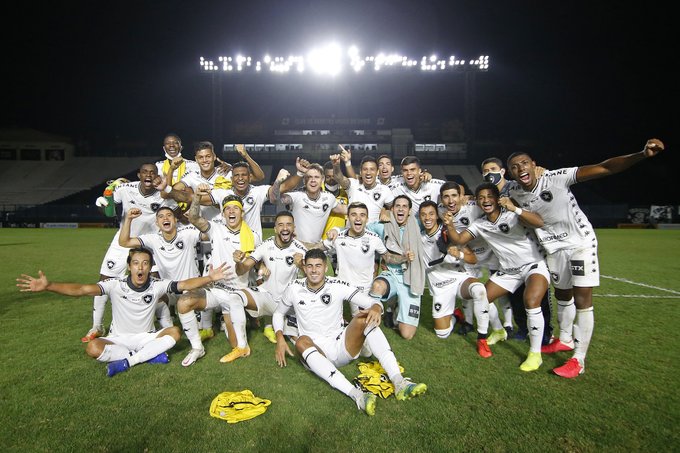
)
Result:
{"points": [[504, 227], [326, 299], [444, 283], [554, 237], [578, 267], [546, 196], [414, 311]]}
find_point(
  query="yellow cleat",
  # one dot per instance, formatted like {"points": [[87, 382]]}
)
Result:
{"points": [[496, 336], [206, 334], [270, 334], [532, 363], [236, 353]]}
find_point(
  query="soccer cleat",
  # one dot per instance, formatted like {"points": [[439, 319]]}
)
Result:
{"points": [[93, 333], [388, 319], [236, 353], [161, 358], [270, 334], [409, 389], [117, 366], [496, 336], [465, 328], [458, 314], [206, 334], [571, 369], [510, 331], [367, 403], [483, 348], [193, 355], [532, 363], [557, 346]]}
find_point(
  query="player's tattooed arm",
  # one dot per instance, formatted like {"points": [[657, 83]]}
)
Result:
{"points": [[194, 214], [393, 258]]}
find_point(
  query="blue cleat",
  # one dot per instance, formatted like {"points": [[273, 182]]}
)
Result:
{"points": [[161, 358], [117, 366]]}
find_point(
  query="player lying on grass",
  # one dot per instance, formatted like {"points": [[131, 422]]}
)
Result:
{"points": [[132, 338]]}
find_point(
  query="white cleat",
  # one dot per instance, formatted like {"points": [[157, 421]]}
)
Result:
{"points": [[193, 356]]}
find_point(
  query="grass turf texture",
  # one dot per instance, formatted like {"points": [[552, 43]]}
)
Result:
{"points": [[54, 398]]}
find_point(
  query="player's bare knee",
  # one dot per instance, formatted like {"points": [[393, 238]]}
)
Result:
{"points": [[95, 348], [303, 343], [173, 332]]}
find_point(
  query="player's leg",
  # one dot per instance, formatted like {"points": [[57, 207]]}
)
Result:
{"points": [[154, 351], [560, 274], [186, 304], [237, 302], [537, 284]]}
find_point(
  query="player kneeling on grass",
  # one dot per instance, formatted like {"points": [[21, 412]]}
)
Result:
{"points": [[131, 339], [324, 343]]}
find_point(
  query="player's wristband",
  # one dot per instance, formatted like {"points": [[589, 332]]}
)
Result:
{"points": [[519, 211], [461, 256], [300, 174], [167, 189]]}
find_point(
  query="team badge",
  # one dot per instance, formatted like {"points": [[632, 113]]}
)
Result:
{"points": [[289, 260], [155, 206], [437, 306], [427, 198], [376, 196], [147, 298], [180, 245], [555, 277], [326, 299], [365, 248], [110, 264], [325, 207], [465, 221], [504, 227], [546, 196], [249, 200]]}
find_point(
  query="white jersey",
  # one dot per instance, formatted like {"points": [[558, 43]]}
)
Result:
{"points": [[133, 309], [190, 167], [509, 240], [310, 214], [439, 263], [356, 256], [319, 312], [224, 242], [426, 191], [374, 198], [565, 225], [280, 262], [176, 258], [193, 180], [253, 201], [468, 213]]}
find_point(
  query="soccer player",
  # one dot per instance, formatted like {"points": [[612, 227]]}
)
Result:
{"points": [[132, 339], [367, 191], [407, 280], [493, 172], [174, 250], [385, 170], [335, 221], [445, 272], [282, 254], [414, 185], [324, 343], [226, 237], [503, 228], [172, 147], [142, 194], [570, 241]]}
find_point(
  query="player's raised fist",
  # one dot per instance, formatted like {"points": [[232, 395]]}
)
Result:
{"points": [[653, 147]]}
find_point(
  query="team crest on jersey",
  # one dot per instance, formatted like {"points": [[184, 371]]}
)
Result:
{"points": [[305, 206], [365, 248], [376, 196], [555, 277], [289, 260], [427, 198], [180, 245], [465, 221], [504, 227], [110, 264], [155, 206], [325, 207], [437, 306], [546, 196], [326, 299], [249, 200], [147, 298]]}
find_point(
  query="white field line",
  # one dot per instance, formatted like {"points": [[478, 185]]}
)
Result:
{"points": [[636, 296], [625, 280]]}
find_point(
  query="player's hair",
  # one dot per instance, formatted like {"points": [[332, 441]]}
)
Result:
{"points": [[316, 253], [488, 186], [241, 164], [316, 167], [408, 160], [384, 156], [448, 185], [410, 203], [150, 164], [518, 153], [491, 160], [200, 146], [368, 158], [163, 208], [139, 250], [283, 214], [328, 166], [356, 205]]}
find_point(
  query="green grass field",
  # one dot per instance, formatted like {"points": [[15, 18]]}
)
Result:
{"points": [[54, 398]]}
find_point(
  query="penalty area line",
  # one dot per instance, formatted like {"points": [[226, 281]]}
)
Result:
{"points": [[644, 285]]}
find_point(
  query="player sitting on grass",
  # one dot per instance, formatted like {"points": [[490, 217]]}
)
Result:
{"points": [[132, 338]]}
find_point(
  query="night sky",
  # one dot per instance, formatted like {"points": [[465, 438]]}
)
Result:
{"points": [[593, 76]]}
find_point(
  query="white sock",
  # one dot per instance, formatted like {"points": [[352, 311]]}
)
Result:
{"points": [[376, 340], [444, 333], [480, 305], [113, 352], [566, 312], [535, 324], [494, 320], [206, 321], [190, 327], [163, 315], [506, 308], [152, 349], [238, 320], [325, 369], [583, 332], [98, 307]]}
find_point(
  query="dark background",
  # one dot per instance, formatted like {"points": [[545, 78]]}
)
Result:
{"points": [[573, 82]]}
